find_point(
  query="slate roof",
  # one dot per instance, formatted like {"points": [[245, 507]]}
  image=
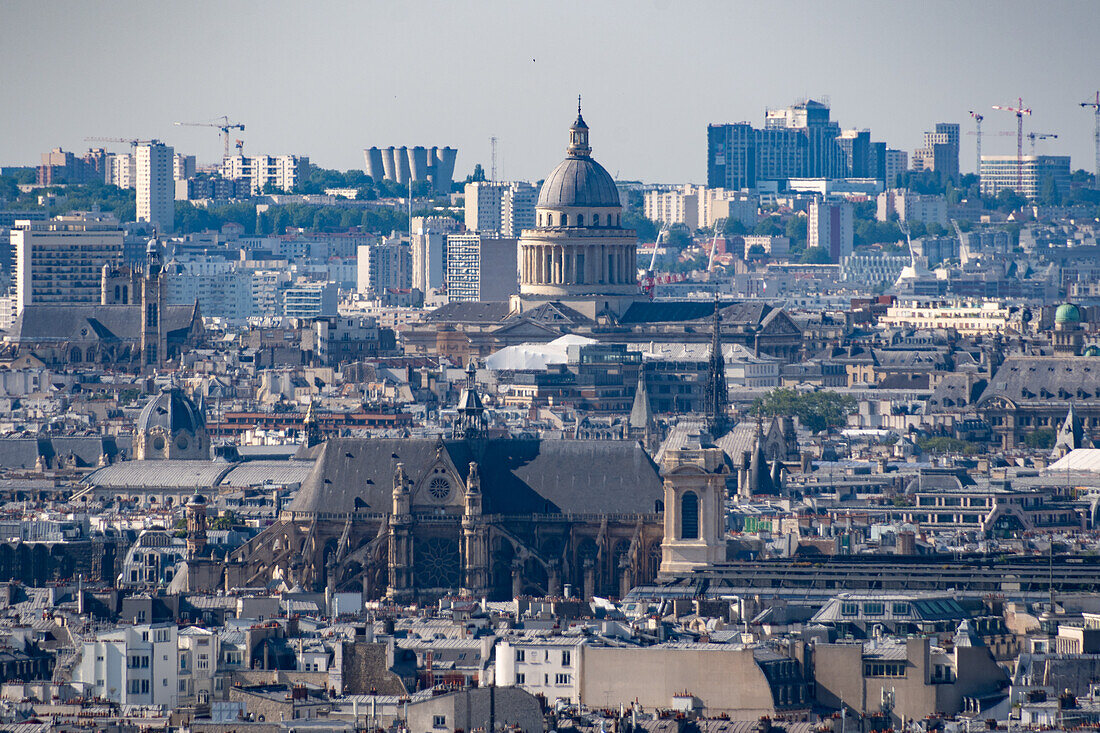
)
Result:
{"points": [[255, 473], [675, 311], [1045, 379], [518, 476], [171, 474], [491, 311], [41, 323], [23, 452]]}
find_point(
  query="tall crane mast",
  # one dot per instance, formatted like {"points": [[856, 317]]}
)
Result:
{"points": [[1095, 104], [1019, 110], [978, 124], [1033, 136], [222, 123]]}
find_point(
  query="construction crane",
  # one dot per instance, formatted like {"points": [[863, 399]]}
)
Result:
{"points": [[223, 124], [714, 244], [1019, 110], [978, 124], [130, 140], [649, 277], [1033, 136], [1095, 104]]}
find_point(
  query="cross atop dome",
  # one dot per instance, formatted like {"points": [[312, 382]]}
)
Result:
{"points": [[578, 136]]}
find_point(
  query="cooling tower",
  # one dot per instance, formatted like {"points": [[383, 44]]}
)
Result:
{"points": [[389, 165], [401, 160], [444, 168], [418, 161], [375, 169]]}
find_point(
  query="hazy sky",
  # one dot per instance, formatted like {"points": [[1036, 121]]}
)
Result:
{"points": [[328, 79]]}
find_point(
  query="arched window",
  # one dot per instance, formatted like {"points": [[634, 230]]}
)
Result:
{"points": [[75, 356], [565, 220], [689, 516], [580, 220], [595, 220], [118, 294]]}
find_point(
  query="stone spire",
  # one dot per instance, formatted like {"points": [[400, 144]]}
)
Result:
{"points": [[1071, 435], [717, 391], [312, 427], [471, 421]]}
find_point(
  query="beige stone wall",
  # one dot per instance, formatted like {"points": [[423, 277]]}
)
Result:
{"points": [[724, 681]]}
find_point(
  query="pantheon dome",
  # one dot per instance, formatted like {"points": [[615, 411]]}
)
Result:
{"points": [[578, 250]]}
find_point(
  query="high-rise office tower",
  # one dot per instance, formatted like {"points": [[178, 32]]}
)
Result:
{"points": [[156, 191]]}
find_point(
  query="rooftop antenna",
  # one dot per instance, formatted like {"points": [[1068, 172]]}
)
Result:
{"points": [[493, 166]]}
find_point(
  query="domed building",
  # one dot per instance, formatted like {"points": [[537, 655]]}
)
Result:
{"points": [[578, 254], [171, 426], [1068, 336]]}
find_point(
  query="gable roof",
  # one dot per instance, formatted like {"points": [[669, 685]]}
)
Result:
{"points": [[39, 323], [518, 476]]}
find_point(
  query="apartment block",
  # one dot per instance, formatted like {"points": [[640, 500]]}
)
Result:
{"points": [[61, 261], [481, 268], [830, 226], [503, 208], [155, 185], [284, 172], [911, 207]]}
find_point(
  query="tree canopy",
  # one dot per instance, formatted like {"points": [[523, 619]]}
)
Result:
{"points": [[816, 411]]}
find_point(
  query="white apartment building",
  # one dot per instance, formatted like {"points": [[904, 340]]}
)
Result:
{"points": [[680, 206], [222, 289], [966, 318], [266, 288], [504, 208], [482, 206], [284, 172], [155, 185], [61, 261], [911, 207], [719, 204], [829, 225], [550, 667], [121, 171], [387, 264], [897, 162], [183, 166], [135, 665], [701, 207], [199, 658], [517, 209], [310, 300], [1000, 172]]}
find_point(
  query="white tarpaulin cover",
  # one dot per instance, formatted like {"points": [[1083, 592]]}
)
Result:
{"points": [[534, 356]]}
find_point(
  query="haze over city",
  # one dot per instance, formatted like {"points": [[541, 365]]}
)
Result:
{"points": [[576, 367], [329, 79]]}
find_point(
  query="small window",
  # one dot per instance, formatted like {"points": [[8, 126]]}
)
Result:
{"points": [[439, 721]]}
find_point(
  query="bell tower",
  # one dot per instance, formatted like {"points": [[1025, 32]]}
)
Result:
{"points": [[695, 492]]}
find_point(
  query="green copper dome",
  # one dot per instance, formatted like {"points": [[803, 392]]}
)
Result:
{"points": [[1067, 313], [1091, 350]]}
